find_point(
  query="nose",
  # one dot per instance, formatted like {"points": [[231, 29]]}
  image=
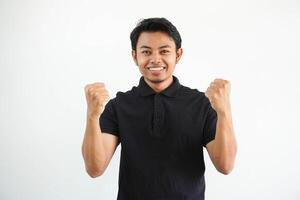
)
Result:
{"points": [[155, 58]]}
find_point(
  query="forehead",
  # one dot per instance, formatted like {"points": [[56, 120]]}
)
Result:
{"points": [[155, 40]]}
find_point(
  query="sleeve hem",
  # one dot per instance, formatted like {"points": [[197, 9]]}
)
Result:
{"points": [[208, 140], [109, 131]]}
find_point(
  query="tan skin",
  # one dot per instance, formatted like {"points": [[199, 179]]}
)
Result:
{"points": [[223, 149], [156, 50]]}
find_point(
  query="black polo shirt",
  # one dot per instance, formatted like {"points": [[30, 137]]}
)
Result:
{"points": [[162, 136]]}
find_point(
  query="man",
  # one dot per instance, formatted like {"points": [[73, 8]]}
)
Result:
{"points": [[162, 125]]}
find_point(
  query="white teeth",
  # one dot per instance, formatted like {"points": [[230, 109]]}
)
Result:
{"points": [[155, 68]]}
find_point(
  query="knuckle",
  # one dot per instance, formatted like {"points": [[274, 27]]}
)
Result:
{"points": [[87, 87], [90, 90], [100, 84]]}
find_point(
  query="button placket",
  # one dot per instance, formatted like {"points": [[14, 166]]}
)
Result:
{"points": [[158, 117]]}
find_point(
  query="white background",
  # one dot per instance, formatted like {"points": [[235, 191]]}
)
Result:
{"points": [[49, 50]]}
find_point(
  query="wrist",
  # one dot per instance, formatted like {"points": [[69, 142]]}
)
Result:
{"points": [[224, 114], [93, 117]]}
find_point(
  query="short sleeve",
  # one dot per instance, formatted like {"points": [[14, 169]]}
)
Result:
{"points": [[209, 129], [108, 119]]}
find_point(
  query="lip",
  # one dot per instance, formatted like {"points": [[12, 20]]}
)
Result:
{"points": [[156, 67], [156, 72]]}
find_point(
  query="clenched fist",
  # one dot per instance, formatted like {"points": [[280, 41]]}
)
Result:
{"points": [[96, 97], [218, 94]]}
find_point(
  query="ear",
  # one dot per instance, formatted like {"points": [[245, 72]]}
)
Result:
{"points": [[178, 54], [134, 56]]}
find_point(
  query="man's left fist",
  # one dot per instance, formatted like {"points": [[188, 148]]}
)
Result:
{"points": [[218, 94]]}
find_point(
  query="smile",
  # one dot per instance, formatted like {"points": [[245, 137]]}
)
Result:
{"points": [[156, 68]]}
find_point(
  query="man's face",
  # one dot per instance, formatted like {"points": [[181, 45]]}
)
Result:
{"points": [[156, 56]]}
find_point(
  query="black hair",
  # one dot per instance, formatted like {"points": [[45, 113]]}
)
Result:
{"points": [[155, 25]]}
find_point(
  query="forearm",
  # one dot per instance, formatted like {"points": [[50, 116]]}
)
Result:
{"points": [[225, 147], [93, 148]]}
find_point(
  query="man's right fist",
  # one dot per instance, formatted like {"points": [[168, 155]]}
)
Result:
{"points": [[96, 97]]}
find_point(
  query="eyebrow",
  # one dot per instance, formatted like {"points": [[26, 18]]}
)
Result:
{"points": [[161, 47]]}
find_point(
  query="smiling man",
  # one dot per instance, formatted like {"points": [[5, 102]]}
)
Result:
{"points": [[156, 57], [162, 126]]}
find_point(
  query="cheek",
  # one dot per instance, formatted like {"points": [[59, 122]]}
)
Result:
{"points": [[171, 59], [141, 60]]}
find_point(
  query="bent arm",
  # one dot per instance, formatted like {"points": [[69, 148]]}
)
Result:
{"points": [[223, 149], [97, 148]]}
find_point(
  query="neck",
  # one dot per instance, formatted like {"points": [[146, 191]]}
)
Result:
{"points": [[159, 86]]}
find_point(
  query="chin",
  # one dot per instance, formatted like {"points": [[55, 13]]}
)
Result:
{"points": [[156, 79]]}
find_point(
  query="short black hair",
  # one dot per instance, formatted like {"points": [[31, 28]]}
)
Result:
{"points": [[155, 25]]}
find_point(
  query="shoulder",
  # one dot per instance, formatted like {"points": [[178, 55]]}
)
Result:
{"points": [[192, 93], [123, 97], [194, 98], [126, 94]]}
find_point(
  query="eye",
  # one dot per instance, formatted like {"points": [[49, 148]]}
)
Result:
{"points": [[146, 52], [165, 51]]}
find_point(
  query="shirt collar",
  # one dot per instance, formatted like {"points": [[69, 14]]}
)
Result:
{"points": [[145, 90]]}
